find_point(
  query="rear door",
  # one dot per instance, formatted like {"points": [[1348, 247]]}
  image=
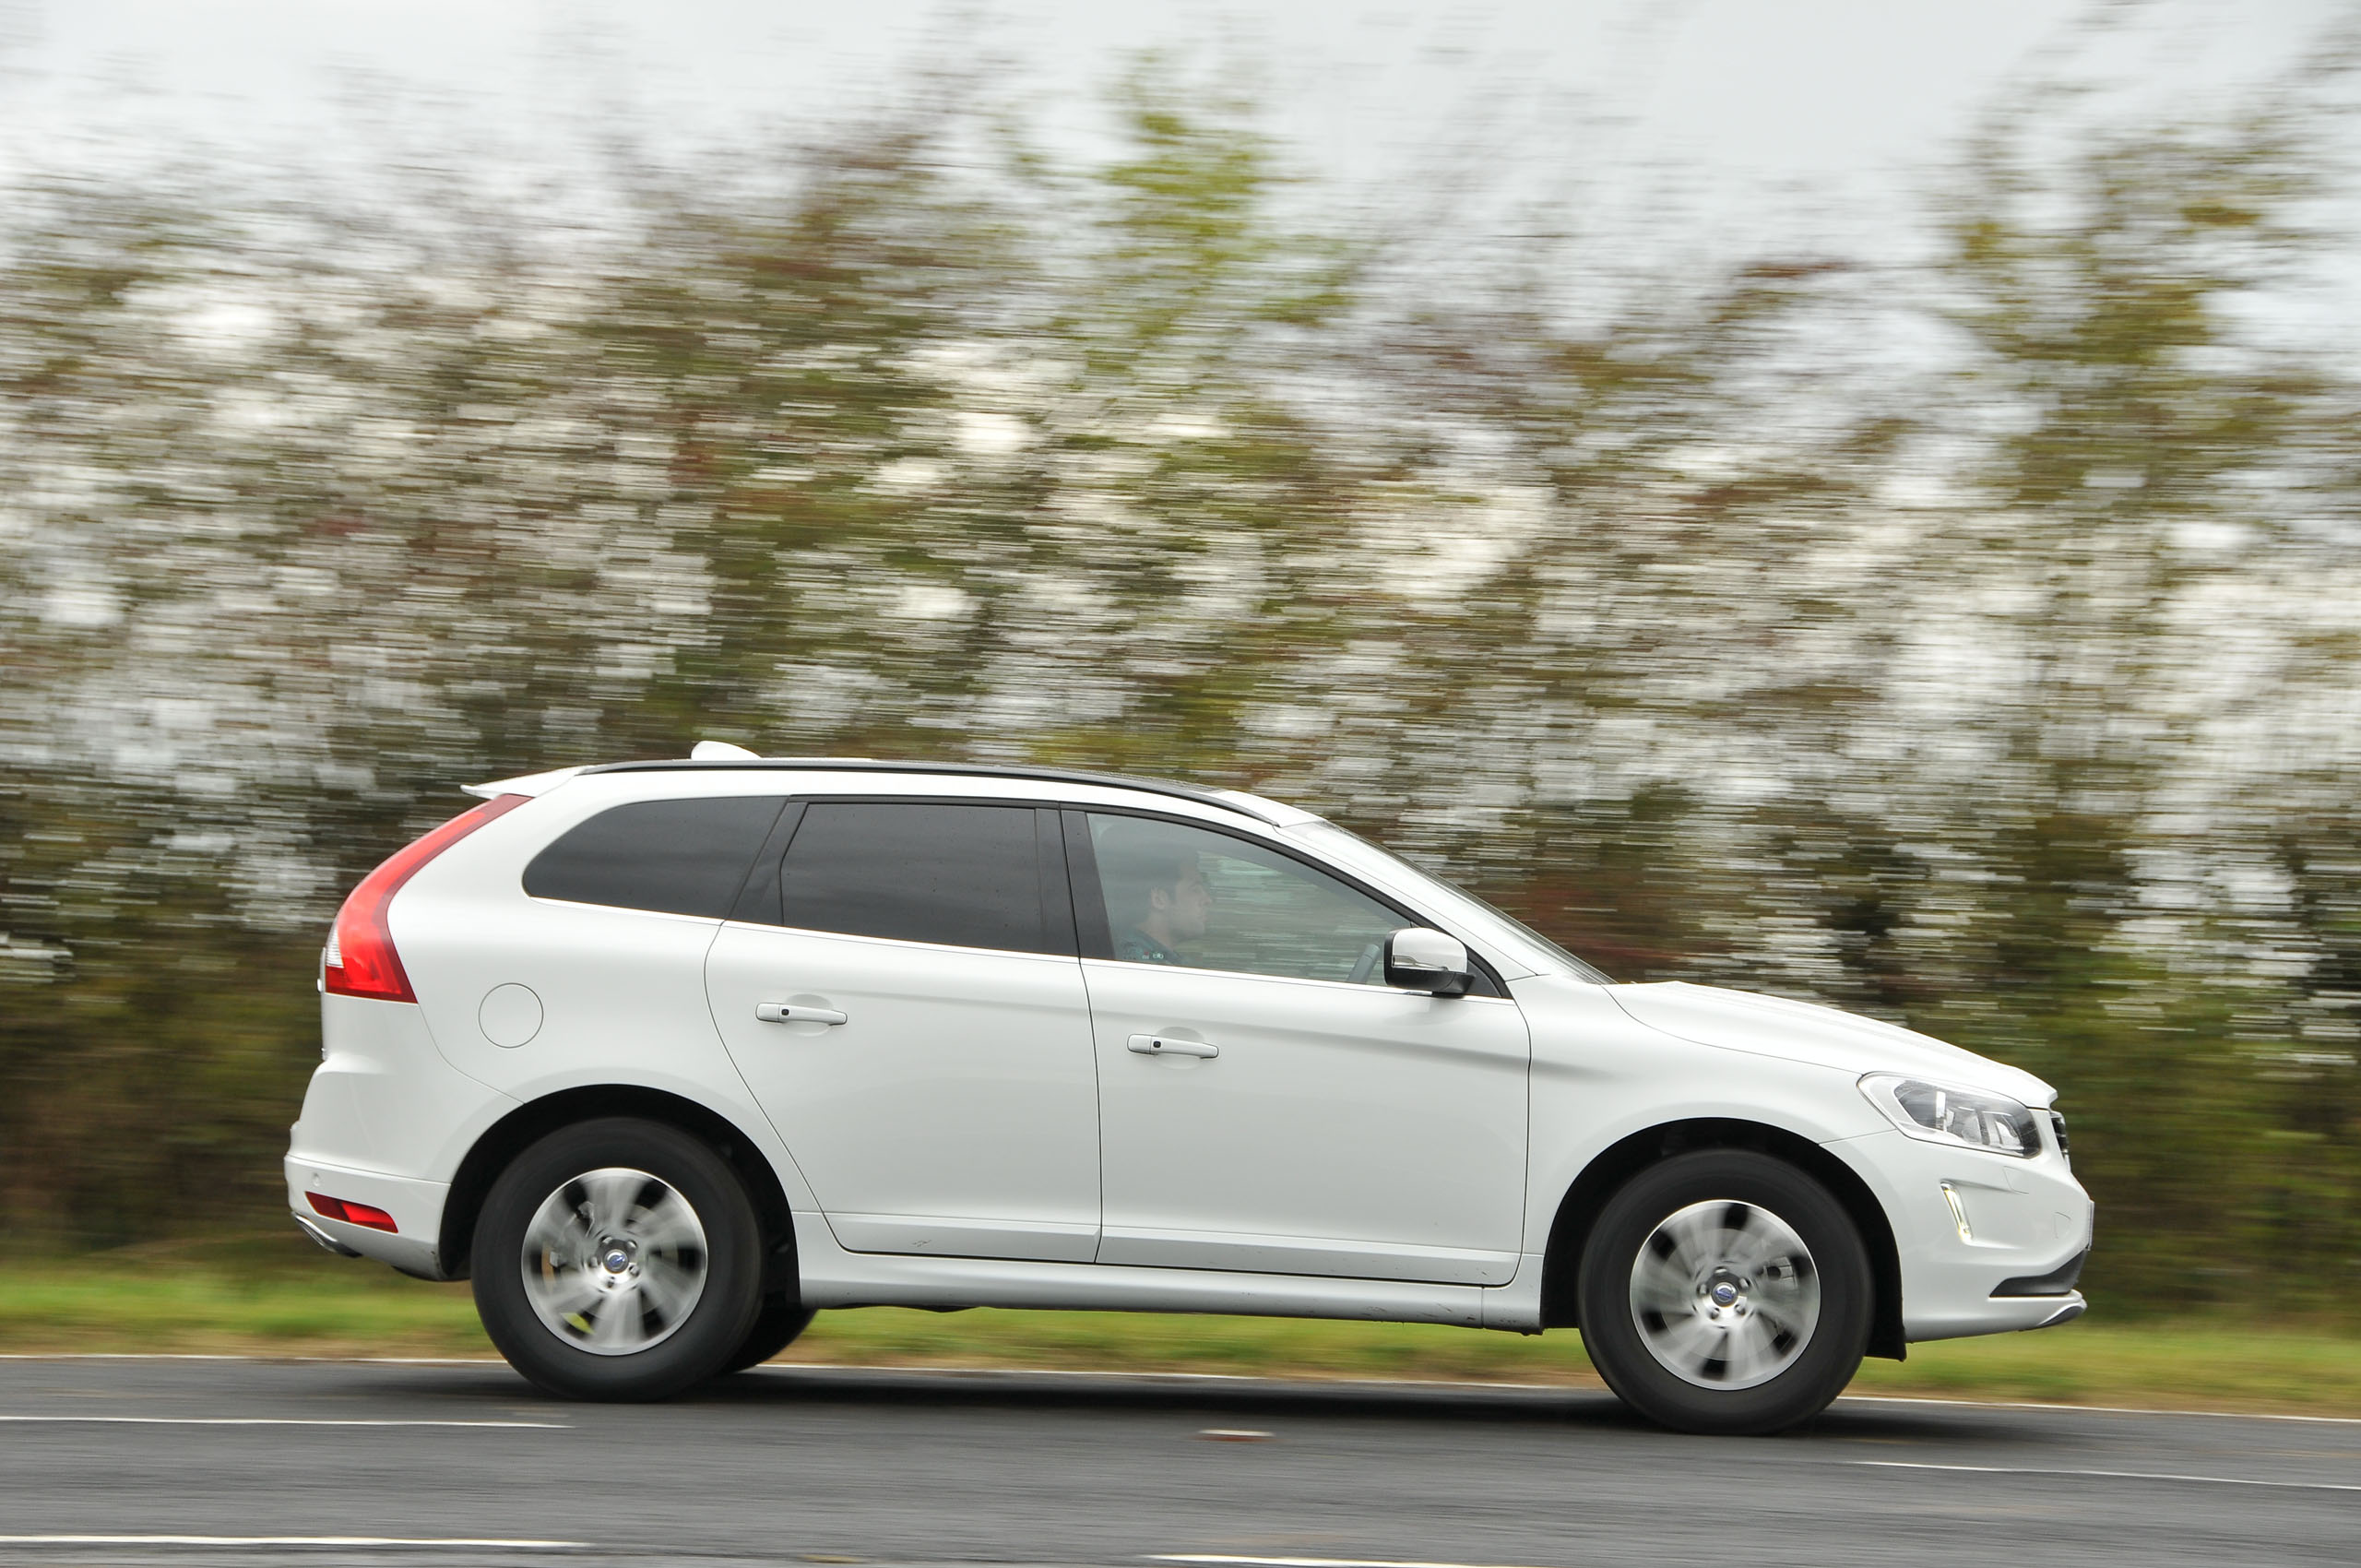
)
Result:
{"points": [[900, 988]]}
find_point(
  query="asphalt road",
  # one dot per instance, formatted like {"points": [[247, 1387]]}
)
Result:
{"points": [[792, 1465]]}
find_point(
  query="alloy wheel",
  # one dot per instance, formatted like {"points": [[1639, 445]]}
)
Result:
{"points": [[614, 1260], [1725, 1294]]}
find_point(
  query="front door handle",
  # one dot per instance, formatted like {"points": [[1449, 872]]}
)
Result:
{"points": [[787, 1012], [1165, 1045]]}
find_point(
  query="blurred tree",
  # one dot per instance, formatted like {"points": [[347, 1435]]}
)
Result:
{"points": [[2120, 410], [2000, 687]]}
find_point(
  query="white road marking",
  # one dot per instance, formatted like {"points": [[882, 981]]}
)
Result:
{"points": [[271, 1421], [1438, 1384], [1315, 1562], [487, 1541], [2090, 1409], [2109, 1475], [1414, 1384]]}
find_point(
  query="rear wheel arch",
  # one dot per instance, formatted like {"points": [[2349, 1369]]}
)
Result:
{"points": [[1620, 1161], [528, 1123]]}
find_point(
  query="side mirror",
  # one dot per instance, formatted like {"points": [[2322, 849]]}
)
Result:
{"points": [[1421, 959]]}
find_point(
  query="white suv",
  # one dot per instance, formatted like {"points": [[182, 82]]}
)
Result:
{"points": [[665, 1056]]}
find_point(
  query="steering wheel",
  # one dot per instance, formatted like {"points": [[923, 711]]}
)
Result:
{"points": [[1368, 965]]}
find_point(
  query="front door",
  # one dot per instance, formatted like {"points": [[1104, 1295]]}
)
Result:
{"points": [[916, 1027], [1267, 1103]]}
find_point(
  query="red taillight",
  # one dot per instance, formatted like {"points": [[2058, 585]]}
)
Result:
{"points": [[360, 1213], [360, 960]]}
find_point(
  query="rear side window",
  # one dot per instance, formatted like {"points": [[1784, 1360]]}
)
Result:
{"points": [[681, 857], [965, 877]]}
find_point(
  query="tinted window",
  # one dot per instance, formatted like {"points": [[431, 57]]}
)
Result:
{"points": [[1206, 900], [683, 857], [968, 876]]}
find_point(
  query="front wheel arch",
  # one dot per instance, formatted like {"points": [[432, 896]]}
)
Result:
{"points": [[1617, 1163]]}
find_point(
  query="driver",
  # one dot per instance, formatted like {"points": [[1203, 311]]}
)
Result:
{"points": [[1158, 900]]}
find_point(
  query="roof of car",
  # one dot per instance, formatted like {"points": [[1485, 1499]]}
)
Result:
{"points": [[1233, 800]]}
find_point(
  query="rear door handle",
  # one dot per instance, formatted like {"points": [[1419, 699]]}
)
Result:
{"points": [[786, 1013], [1165, 1045]]}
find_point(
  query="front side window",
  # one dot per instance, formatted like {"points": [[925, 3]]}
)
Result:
{"points": [[1189, 897], [1340, 844], [962, 876], [678, 857]]}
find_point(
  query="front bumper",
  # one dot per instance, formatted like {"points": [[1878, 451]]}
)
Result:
{"points": [[2028, 1229], [2059, 1281]]}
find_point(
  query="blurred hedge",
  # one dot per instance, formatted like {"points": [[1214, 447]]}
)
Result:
{"points": [[1967, 642]]}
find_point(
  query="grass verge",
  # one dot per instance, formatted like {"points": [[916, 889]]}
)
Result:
{"points": [[231, 1300]]}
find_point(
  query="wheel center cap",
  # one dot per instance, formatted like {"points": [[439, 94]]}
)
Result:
{"points": [[1725, 1294], [616, 1260]]}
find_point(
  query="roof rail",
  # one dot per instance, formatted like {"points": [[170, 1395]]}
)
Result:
{"points": [[1228, 799]]}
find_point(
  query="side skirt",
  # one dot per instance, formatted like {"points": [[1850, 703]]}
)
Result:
{"points": [[835, 1277]]}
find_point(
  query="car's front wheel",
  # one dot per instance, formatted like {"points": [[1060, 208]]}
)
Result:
{"points": [[617, 1259], [1726, 1292]]}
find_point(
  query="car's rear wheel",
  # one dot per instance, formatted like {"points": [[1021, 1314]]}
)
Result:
{"points": [[778, 1323], [1726, 1292], [617, 1259]]}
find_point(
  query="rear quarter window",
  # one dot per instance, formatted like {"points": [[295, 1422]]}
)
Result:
{"points": [[676, 857]]}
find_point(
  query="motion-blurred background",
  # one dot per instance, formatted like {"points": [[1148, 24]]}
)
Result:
{"points": [[1855, 500]]}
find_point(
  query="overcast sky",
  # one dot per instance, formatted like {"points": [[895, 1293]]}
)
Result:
{"points": [[1762, 110]]}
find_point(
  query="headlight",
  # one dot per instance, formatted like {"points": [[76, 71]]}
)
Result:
{"points": [[1941, 1114]]}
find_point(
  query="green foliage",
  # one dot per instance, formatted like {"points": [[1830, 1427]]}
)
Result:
{"points": [[2001, 688]]}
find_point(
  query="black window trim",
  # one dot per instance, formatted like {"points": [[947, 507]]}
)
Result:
{"points": [[1092, 929], [765, 884], [761, 889]]}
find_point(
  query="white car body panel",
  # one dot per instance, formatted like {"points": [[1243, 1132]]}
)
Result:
{"points": [[2028, 1214], [385, 1120], [955, 1111], [382, 1095], [1802, 1031], [1599, 1077], [835, 1278], [1271, 1179], [1343, 1128]]}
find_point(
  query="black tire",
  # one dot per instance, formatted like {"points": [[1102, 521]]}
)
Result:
{"points": [[1836, 1265], [778, 1322], [725, 1260]]}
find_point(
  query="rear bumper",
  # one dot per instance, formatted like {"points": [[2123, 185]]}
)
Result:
{"points": [[322, 1238], [416, 1207]]}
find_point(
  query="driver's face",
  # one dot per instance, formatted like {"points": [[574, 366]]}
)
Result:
{"points": [[1189, 905]]}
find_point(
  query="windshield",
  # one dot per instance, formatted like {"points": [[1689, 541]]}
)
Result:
{"points": [[1353, 845]]}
